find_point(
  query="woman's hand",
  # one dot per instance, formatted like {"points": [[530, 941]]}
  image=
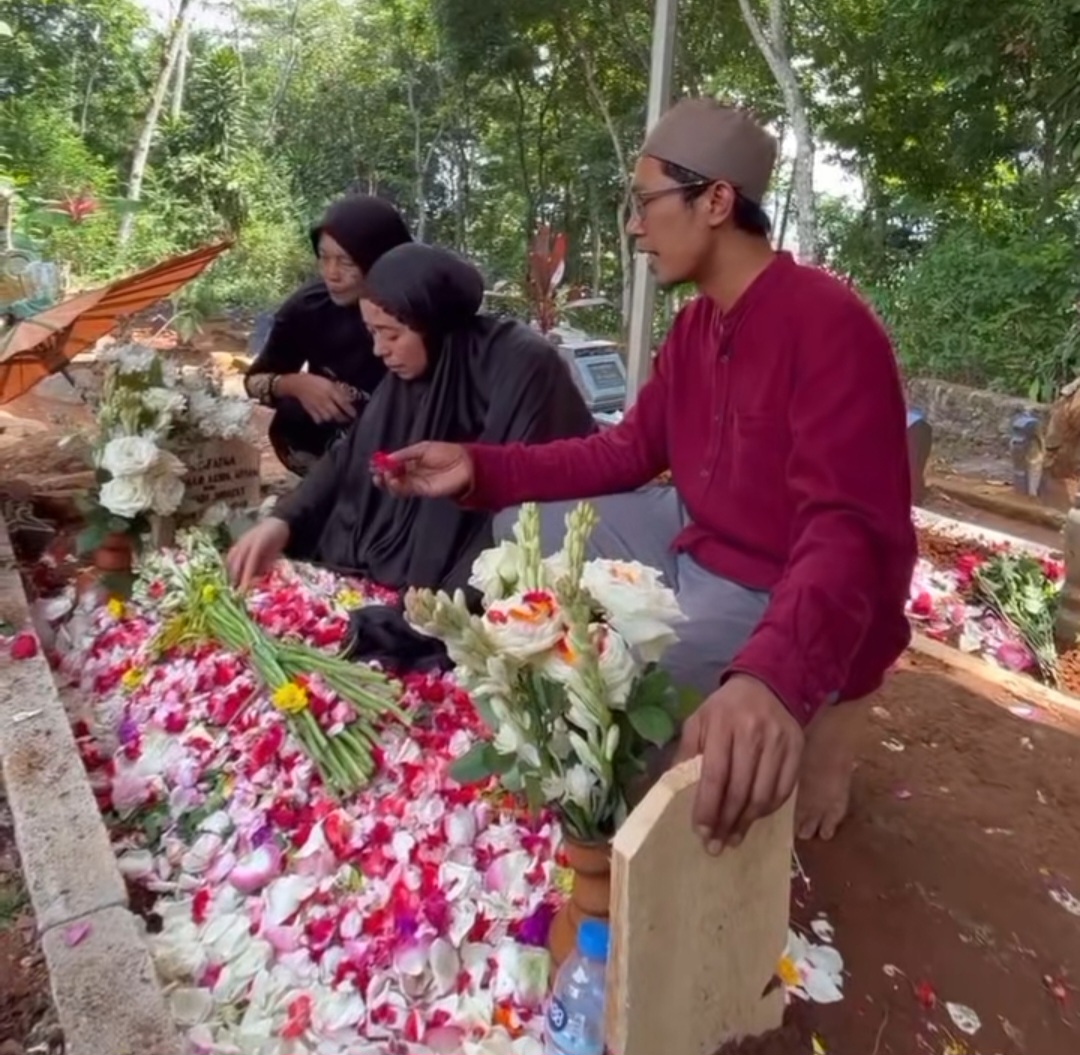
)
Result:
{"points": [[425, 470], [323, 399], [256, 552]]}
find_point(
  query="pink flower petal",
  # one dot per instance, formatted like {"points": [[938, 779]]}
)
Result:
{"points": [[76, 934]]}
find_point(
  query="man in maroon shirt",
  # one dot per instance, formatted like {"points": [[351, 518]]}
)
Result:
{"points": [[777, 406]]}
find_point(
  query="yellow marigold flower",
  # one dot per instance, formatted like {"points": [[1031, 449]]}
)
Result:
{"points": [[290, 697], [563, 880], [132, 679], [115, 608], [209, 593], [788, 972], [349, 598]]}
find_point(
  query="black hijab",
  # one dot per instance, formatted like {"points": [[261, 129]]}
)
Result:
{"points": [[364, 226], [309, 327], [488, 381]]}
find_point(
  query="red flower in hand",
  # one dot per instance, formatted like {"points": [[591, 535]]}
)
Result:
{"points": [[385, 465]]}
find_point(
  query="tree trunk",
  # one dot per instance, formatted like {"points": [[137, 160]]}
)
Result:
{"points": [[286, 74], [176, 103], [773, 46], [626, 257], [419, 173], [153, 112]]}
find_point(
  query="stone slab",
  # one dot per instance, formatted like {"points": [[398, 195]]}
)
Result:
{"points": [[105, 990], [969, 421]]}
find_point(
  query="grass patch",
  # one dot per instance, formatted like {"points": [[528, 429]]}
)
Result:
{"points": [[13, 900]]}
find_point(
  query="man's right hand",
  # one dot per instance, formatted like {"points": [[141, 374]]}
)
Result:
{"points": [[323, 399], [426, 470], [256, 552]]}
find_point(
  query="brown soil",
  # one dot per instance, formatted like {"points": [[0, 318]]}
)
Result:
{"points": [[943, 874], [25, 1004], [943, 552]]}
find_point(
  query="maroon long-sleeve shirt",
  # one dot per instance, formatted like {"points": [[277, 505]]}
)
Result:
{"points": [[784, 426]]}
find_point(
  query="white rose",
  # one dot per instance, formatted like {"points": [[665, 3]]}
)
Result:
{"points": [[618, 669], [126, 496], [555, 567], [524, 625], [496, 571], [636, 602], [130, 456], [617, 666], [167, 492]]}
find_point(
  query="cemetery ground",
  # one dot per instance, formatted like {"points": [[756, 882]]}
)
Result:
{"points": [[953, 882]]}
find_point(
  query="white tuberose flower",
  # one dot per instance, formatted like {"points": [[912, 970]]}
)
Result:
{"points": [[636, 602]]}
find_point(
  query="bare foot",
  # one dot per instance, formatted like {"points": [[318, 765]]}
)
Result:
{"points": [[828, 762]]}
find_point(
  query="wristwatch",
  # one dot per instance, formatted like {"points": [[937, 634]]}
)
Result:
{"points": [[262, 387]]}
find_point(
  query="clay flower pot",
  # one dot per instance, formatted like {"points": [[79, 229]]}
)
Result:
{"points": [[115, 554], [589, 899]]}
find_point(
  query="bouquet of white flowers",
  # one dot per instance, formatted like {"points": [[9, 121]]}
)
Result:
{"points": [[147, 411], [561, 665]]}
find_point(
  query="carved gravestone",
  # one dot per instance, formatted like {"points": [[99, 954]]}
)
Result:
{"points": [[920, 438]]}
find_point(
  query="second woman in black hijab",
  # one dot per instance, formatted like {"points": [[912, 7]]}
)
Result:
{"points": [[320, 326], [454, 375]]}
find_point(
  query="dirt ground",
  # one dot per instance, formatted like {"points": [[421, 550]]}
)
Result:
{"points": [[965, 817], [27, 1020]]}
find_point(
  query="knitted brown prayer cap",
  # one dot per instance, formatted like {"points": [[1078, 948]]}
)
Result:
{"points": [[717, 142]]}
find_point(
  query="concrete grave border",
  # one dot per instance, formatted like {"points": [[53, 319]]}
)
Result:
{"points": [[106, 993]]}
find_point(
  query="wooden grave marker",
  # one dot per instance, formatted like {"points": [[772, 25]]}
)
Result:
{"points": [[695, 939]]}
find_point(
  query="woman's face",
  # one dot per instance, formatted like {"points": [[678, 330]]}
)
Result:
{"points": [[401, 349], [342, 277]]}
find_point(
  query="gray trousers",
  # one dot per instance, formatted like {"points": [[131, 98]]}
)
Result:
{"points": [[641, 525]]}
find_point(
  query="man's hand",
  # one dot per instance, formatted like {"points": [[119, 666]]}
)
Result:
{"points": [[323, 399], [751, 747], [425, 470], [255, 552]]}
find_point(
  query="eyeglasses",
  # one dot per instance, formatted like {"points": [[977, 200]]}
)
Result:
{"points": [[639, 200]]}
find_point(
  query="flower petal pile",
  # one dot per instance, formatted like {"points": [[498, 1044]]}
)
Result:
{"points": [[943, 606], [409, 918]]}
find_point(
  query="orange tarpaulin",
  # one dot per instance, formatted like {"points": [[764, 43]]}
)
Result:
{"points": [[45, 343]]}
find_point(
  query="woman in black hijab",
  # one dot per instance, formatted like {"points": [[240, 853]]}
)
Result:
{"points": [[454, 375], [320, 326]]}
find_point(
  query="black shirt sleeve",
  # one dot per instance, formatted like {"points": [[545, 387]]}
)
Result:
{"points": [[282, 354]]}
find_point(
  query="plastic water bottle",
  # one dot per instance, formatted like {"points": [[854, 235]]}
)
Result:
{"points": [[575, 1017]]}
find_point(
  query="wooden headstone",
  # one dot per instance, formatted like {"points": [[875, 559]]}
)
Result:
{"points": [[695, 939]]}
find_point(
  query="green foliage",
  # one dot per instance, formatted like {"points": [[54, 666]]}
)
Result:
{"points": [[482, 119], [987, 304]]}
